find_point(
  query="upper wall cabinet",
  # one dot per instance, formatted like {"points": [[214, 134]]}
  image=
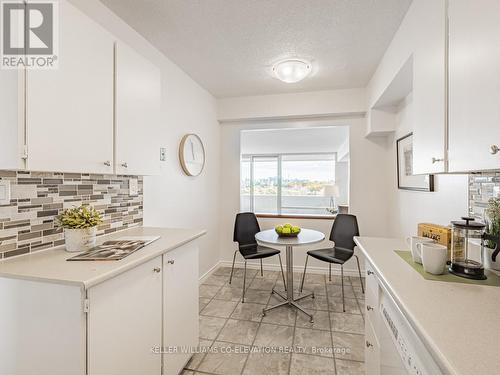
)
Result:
{"points": [[69, 110], [474, 85], [137, 112], [429, 88], [11, 119]]}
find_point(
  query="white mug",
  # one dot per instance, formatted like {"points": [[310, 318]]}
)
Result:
{"points": [[415, 251], [434, 257]]}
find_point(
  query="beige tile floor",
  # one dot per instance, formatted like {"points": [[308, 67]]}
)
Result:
{"points": [[235, 339]]}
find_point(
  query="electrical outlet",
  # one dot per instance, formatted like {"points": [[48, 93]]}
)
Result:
{"points": [[163, 154], [4, 192], [133, 187]]}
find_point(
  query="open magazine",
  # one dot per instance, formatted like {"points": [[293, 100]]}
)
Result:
{"points": [[115, 249]]}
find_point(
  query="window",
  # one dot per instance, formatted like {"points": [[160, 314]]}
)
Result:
{"points": [[286, 184]]}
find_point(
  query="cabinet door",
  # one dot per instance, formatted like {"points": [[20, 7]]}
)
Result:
{"points": [[70, 109], [474, 85], [137, 101], [124, 322], [11, 119], [429, 89], [180, 320]]}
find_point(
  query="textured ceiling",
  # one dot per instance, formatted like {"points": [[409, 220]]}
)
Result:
{"points": [[228, 46]]}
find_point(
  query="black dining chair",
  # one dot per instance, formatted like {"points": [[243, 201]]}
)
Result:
{"points": [[345, 228], [246, 227]]}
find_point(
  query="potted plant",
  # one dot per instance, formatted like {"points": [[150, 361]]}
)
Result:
{"points": [[80, 227], [493, 230]]}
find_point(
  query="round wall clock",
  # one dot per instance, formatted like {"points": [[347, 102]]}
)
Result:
{"points": [[192, 154]]}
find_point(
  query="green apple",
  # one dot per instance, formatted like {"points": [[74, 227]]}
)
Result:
{"points": [[295, 229], [287, 225], [287, 230], [278, 229]]}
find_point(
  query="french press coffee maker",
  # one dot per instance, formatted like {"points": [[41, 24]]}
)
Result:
{"points": [[463, 235]]}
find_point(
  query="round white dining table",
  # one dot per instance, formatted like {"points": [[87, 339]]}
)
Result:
{"points": [[305, 237]]}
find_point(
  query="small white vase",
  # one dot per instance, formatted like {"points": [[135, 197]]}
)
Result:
{"points": [[79, 239]]}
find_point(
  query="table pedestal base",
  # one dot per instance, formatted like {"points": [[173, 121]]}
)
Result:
{"points": [[289, 299]]}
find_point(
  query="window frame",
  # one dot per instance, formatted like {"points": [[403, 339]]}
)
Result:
{"points": [[279, 158]]}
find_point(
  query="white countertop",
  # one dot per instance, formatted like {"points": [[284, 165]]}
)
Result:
{"points": [[459, 323], [51, 265]]}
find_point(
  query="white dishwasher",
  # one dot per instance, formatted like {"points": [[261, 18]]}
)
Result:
{"points": [[401, 350]]}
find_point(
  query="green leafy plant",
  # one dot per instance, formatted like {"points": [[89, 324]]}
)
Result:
{"points": [[79, 218], [493, 214]]}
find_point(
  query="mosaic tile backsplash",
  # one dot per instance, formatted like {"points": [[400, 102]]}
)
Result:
{"points": [[27, 223], [482, 187]]}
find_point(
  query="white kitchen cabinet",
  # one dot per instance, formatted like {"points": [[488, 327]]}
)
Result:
{"points": [[69, 110], [137, 113], [429, 88], [180, 309], [474, 85], [11, 119], [124, 322]]}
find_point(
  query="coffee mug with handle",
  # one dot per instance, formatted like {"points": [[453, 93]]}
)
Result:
{"points": [[415, 252], [434, 257]]}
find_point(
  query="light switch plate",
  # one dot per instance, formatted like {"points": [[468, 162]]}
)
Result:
{"points": [[163, 154], [4, 192], [133, 186]]}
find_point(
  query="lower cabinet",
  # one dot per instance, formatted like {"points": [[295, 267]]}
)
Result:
{"points": [[180, 310], [124, 322], [128, 325]]}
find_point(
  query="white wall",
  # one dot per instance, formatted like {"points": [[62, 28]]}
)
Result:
{"points": [[302, 104], [368, 192], [408, 208], [294, 140], [173, 199]]}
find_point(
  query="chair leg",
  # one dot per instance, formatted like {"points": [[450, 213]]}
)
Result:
{"points": [[329, 271], [261, 269], [304, 275], [232, 268], [342, 276], [244, 283], [282, 273], [360, 279]]}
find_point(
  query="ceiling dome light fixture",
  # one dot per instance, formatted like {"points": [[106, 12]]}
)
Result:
{"points": [[292, 70]]}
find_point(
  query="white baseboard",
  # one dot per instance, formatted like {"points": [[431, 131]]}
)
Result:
{"points": [[276, 267], [209, 272]]}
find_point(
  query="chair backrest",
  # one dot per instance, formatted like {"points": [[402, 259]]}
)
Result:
{"points": [[246, 227], [345, 227]]}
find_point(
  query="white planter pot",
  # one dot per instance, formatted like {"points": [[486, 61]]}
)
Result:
{"points": [[488, 263], [79, 239]]}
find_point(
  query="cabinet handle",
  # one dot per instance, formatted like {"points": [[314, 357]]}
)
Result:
{"points": [[157, 269], [107, 163], [369, 344], [435, 160], [369, 308], [171, 261], [494, 149], [370, 273], [124, 165]]}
